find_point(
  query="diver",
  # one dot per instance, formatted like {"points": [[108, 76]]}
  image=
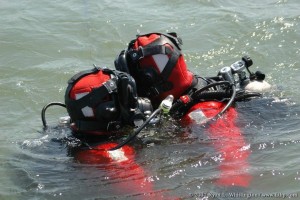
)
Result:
{"points": [[101, 102], [156, 62]]}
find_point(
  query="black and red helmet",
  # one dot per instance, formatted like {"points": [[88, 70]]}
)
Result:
{"points": [[156, 62], [100, 101]]}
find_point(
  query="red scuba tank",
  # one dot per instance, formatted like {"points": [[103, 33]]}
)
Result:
{"points": [[230, 142]]}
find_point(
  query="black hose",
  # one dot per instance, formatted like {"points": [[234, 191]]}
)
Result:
{"points": [[200, 94], [247, 95], [179, 109], [221, 95], [213, 95], [43, 113], [138, 130], [209, 86], [229, 103]]}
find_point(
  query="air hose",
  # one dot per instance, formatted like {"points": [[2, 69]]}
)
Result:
{"points": [[209, 86], [179, 109], [43, 113], [164, 107], [229, 103]]}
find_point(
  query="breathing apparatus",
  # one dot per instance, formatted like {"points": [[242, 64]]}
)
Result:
{"points": [[229, 86]]}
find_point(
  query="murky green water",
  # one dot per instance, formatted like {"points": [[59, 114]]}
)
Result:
{"points": [[43, 43]]}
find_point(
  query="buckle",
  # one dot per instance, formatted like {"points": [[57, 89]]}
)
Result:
{"points": [[110, 85], [141, 52], [136, 54]]}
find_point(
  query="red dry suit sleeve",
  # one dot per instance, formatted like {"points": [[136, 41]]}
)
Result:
{"points": [[128, 177], [229, 142]]}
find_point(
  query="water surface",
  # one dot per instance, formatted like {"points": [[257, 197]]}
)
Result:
{"points": [[43, 43]]}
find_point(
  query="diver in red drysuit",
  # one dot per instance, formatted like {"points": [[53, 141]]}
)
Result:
{"points": [[157, 64], [102, 101]]}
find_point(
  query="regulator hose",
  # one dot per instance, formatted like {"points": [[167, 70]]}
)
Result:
{"points": [[229, 103], [198, 92], [138, 130], [221, 95], [164, 108], [197, 95], [243, 97], [213, 95], [43, 113]]}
